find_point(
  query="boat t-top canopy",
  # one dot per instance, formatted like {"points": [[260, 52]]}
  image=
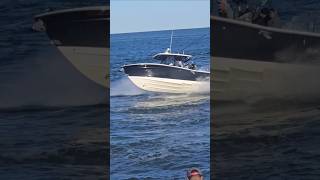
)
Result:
{"points": [[175, 56]]}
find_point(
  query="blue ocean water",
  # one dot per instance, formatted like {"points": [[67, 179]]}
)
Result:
{"points": [[49, 128], [157, 136]]}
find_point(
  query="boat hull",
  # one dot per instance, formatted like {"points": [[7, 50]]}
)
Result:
{"points": [[241, 40], [82, 36], [249, 64], [91, 62], [166, 85], [165, 71], [168, 79]]}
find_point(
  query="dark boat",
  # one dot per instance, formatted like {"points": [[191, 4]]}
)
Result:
{"points": [[243, 40], [252, 55], [174, 74], [82, 35]]}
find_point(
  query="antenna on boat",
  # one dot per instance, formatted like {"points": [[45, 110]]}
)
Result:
{"points": [[171, 40]]}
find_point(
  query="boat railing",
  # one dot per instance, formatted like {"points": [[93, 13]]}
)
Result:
{"points": [[309, 22]]}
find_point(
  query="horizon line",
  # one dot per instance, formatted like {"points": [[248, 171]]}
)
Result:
{"points": [[158, 30]]}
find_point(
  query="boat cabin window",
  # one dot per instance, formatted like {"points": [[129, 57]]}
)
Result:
{"points": [[179, 60], [168, 61], [172, 61]]}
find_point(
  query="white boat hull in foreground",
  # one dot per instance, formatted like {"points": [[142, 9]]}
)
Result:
{"points": [[92, 62], [166, 85], [82, 36]]}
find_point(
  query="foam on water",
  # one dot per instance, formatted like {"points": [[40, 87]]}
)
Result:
{"points": [[124, 87], [171, 100], [203, 88]]}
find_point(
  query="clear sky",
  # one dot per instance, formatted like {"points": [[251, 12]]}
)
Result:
{"points": [[154, 15]]}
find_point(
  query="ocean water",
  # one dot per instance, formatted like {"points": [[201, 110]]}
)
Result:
{"points": [[157, 136], [266, 140], [52, 119], [273, 137]]}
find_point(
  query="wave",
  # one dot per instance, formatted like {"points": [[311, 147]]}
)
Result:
{"points": [[78, 155], [171, 100], [38, 108]]}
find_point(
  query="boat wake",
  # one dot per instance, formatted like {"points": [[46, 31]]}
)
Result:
{"points": [[203, 88], [171, 100], [124, 87]]}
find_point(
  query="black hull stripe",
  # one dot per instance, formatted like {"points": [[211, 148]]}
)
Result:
{"points": [[240, 41], [150, 70], [78, 28]]}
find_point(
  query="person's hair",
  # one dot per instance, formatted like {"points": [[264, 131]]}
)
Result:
{"points": [[194, 172]]}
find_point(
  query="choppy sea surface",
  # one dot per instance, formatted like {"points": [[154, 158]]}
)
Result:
{"points": [[52, 119], [157, 136], [273, 137]]}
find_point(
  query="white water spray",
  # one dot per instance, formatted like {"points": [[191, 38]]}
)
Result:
{"points": [[124, 87]]}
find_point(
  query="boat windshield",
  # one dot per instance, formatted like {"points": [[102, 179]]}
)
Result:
{"points": [[172, 59], [171, 56], [168, 61]]}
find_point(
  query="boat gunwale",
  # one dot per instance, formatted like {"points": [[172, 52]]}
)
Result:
{"points": [[272, 29], [201, 71], [80, 9]]}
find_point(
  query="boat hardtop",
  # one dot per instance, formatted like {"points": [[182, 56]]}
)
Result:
{"points": [[174, 56], [175, 59]]}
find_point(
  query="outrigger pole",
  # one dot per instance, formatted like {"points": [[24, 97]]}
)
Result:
{"points": [[171, 40]]}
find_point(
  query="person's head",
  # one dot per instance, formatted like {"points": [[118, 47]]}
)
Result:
{"points": [[194, 174], [273, 12]]}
